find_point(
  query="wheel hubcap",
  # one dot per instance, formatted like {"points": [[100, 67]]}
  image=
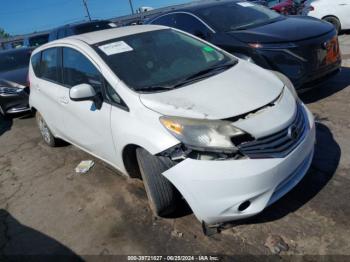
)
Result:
{"points": [[44, 130]]}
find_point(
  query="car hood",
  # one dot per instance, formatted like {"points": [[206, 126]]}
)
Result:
{"points": [[243, 88], [14, 78], [289, 29]]}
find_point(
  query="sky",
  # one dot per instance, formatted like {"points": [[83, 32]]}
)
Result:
{"points": [[26, 16]]}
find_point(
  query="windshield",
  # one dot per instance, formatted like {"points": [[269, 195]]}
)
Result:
{"points": [[237, 16], [162, 59], [14, 60]]}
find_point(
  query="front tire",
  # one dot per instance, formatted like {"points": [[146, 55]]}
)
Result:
{"points": [[45, 132], [162, 195], [2, 112], [334, 21]]}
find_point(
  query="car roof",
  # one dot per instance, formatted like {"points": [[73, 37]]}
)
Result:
{"points": [[80, 23], [193, 6], [187, 7], [108, 34]]}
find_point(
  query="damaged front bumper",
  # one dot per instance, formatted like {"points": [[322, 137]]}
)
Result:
{"points": [[222, 191]]}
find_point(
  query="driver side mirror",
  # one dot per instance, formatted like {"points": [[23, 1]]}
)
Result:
{"points": [[82, 92]]}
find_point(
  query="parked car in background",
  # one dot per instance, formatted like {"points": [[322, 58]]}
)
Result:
{"points": [[305, 50], [35, 40], [79, 28], [336, 12], [186, 116], [260, 2], [14, 88], [286, 7], [12, 43]]}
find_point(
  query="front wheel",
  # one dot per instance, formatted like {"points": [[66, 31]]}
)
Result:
{"points": [[2, 112], [162, 195]]}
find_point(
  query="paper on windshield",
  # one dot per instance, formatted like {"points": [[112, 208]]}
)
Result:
{"points": [[115, 48], [244, 4]]}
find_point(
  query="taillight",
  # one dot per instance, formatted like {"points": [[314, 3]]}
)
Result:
{"points": [[28, 81], [311, 8]]}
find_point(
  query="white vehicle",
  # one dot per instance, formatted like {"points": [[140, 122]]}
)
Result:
{"points": [[187, 117], [337, 12]]}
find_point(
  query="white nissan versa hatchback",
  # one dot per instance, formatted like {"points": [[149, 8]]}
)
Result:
{"points": [[187, 117]]}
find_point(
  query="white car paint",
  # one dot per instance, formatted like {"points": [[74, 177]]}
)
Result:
{"points": [[212, 188], [323, 8]]}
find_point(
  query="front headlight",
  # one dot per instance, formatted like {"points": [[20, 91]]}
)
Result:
{"points": [[202, 134], [286, 81], [9, 90]]}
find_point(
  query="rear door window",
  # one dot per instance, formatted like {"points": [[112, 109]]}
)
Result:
{"points": [[166, 20], [36, 59], [49, 65], [191, 24]]}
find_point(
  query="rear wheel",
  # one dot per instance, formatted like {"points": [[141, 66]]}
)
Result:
{"points": [[334, 21], [46, 134], [162, 195]]}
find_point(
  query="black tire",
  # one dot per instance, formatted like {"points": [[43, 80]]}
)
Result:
{"points": [[162, 195], [45, 132], [334, 21], [2, 112]]}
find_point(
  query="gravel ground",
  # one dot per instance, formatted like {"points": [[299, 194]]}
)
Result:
{"points": [[45, 208]]}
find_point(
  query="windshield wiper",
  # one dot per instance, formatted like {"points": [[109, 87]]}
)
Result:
{"points": [[195, 77], [153, 88], [255, 24], [204, 73]]}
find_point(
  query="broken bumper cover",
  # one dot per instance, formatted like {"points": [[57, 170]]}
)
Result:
{"points": [[215, 189]]}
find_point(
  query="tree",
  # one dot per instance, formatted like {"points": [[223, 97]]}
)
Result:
{"points": [[3, 34]]}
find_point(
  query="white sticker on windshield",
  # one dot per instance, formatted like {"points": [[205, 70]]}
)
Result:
{"points": [[245, 4], [115, 48]]}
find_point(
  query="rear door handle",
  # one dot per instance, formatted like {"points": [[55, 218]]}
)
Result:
{"points": [[64, 100], [37, 87]]}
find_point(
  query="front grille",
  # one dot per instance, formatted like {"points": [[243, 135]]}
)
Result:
{"points": [[281, 143]]}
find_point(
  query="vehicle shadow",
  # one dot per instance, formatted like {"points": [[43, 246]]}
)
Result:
{"points": [[345, 32], [5, 124], [328, 88], [21, 243], [324, 164]]}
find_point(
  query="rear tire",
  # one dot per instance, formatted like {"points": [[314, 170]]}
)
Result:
{"points": [[45, 132], [334, 21], [162, 195]]}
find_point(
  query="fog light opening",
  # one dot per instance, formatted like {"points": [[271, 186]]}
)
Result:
{"points": [[244, 206]]}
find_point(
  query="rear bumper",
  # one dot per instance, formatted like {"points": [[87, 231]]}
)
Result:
{"points": [[216, 189]]}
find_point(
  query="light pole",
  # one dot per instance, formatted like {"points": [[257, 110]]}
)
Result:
{"points": [[132, 8], [87, 10]]}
